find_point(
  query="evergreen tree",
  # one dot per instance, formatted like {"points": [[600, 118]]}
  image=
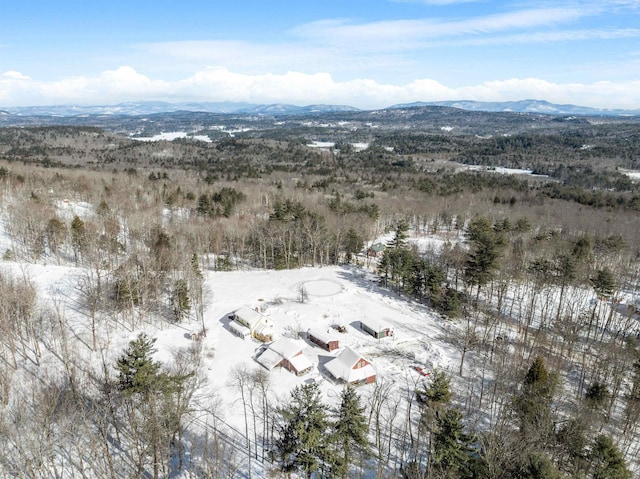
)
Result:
{"points": [[438, 392], [78, 236], [303, 443], [400, 235], [607, 460], [482, 260], [536, 465], [604, 283], [533, 405], [137, 371], [353, 244], [350, 429], [195, 266], [152, 398], [452, 449], [179, 300]]}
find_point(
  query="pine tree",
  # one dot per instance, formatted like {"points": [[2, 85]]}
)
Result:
{"points": [[137, 371], [353, 244], [399, 240], [179, 300], [607, 460], [303, 443], [486, 246], [152, 398], [78, 236], [451, 445], [438, 393], [604, 283], [195, 266], [350, 429], [533, 405]]}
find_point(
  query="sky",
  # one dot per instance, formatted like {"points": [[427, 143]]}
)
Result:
{"points": [[364, 53]]}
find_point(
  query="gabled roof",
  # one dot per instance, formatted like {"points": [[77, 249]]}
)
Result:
{"points": [[342, 367], [285, 347], [300, 363], [269, 359], [281, 349], [323, 335], [375, 324], [251, 316], [377, 247]]}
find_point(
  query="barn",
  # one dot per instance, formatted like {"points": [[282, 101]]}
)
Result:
{"points": [[376, 328], [350, 367], [325, 339], [285, 353]]}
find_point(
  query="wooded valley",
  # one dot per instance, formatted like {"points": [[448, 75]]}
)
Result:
{"points": [[536, 276]]}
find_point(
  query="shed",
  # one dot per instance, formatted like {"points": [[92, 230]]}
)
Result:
{"points": [[351, 367], [324, 339], [375, 249], [285, 353], [376, 328]]}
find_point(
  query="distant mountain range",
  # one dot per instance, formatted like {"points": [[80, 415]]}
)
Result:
{"points": [[525, 106], [151, 107]]}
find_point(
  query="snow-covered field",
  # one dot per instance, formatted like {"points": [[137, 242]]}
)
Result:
{"points": [[170, 136], [335, 296]]}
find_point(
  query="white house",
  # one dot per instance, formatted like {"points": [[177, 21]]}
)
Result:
{"points": [[258, 325], [351, 368]]}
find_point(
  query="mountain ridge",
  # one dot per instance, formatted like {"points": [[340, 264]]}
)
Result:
{"points": [[531, 106]]}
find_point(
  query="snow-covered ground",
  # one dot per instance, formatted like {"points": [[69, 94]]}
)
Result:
{"points": [[335, 296], [170, 136]]}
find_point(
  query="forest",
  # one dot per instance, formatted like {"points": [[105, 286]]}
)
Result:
{"points": [[537, 279]]}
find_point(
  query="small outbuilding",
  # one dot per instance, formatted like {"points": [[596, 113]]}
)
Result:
{"points": [[351, 368], [376, 328], [324, 339], [287, 354], [375, 250]]}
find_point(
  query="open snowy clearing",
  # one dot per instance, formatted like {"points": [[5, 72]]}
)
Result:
{"points": [[335, 296]]}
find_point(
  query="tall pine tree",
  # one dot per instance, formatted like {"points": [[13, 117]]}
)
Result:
{"points": [[303, 440], [350, 430]]}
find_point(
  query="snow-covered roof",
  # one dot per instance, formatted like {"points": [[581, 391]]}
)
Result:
{"points": [[285, 347], [239, 328], [323, 335], [301, 362], [250, 316], [342, 367], [269, 359], [264, 329], [375, 324]]}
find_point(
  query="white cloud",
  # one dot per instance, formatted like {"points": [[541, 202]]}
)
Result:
{"points": [[221, 84], [13, 75], [411, 33]]}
